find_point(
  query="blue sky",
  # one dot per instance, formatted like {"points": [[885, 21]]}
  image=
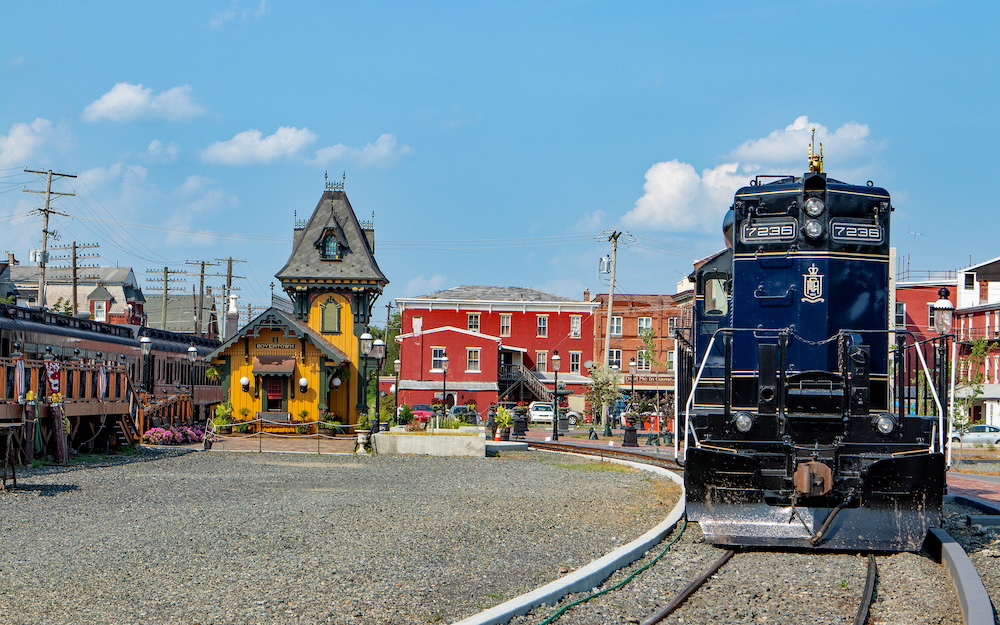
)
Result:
{"points": [[495, 143]]}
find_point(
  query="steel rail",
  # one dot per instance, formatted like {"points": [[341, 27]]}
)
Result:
{"points": [[689, 590], [869, 594]]}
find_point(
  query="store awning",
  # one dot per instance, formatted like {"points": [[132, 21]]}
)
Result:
{"points": [[273, 365]]}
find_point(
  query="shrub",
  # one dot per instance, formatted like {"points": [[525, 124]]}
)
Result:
{"points": [[173, 436]]}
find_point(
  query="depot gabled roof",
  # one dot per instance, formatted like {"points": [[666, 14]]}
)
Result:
{"points": [[275, 319]]}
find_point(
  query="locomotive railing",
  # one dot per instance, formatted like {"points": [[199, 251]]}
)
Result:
{"points": [[905, 399]]}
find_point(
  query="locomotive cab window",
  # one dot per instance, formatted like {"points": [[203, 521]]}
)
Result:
{"points": [[716, 294]]}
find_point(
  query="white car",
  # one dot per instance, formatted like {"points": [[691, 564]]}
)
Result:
{"points": [[978, 435], [540, 412]]}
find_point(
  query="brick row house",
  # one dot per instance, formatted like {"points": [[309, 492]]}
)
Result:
{"points": [[499, 343], [631, 317]]}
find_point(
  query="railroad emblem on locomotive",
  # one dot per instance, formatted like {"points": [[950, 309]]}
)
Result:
{"points": [[813, 287]]}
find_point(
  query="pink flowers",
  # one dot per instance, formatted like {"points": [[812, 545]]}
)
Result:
{"points": [[173, 436]]}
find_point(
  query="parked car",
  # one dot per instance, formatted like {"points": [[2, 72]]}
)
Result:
{"points": [[422, 412], [540, 412], [465, 414], [978, 435], [572, 415]]}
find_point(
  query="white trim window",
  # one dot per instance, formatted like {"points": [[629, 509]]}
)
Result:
{"points": [[643, 323], [574, 361], [670, 361], [615, 358], [900, 315], [616, 326], [541, 361], [504, 325], [437, 358], [671, 326], [472, 360], [100, 311], [575, 325], [642, 361], [472, 324], [542, 326]]}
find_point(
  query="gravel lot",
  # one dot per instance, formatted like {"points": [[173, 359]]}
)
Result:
{"points": [[212, 538]]}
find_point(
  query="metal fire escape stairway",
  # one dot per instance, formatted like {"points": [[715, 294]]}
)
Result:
{"points": [[513, 377]]}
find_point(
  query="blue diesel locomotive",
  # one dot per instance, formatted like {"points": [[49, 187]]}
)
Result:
{"points": [[794, 423]]}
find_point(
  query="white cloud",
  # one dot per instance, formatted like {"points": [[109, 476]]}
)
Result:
{"points": [[220, 19], [383, 152], [250, 146], [422, 285], [161, 153], [678, 198], [127, 102], [24, 141]]}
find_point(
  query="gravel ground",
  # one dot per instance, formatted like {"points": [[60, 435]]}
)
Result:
{"points": [[212, 538], [982, 545]]}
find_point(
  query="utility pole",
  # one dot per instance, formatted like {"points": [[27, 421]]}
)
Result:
{"points": [[167, 274], [227, 293], [200, 304], [74, 258], [607, 335], [46, 211]]}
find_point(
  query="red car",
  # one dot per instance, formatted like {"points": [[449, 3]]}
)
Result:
{"points": [[422, 412]]}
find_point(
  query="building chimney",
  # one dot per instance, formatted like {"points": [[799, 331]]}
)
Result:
{"points": [[11, 261], [232, 318], [586, 295]]}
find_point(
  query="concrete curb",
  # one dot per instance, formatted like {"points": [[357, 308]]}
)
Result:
{"points": [[986, 507], [593, 574], [972, 596]]}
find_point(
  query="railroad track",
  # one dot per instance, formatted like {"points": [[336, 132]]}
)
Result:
{"points": [[668, 587]]}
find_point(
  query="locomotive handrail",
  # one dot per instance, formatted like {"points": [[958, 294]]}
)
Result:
{"points": [[689, 433]]}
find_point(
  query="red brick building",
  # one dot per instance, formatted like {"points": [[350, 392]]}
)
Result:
{"points": [[499, 343], [631, 315]]}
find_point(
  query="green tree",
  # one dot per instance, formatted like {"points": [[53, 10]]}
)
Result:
{"points": [[604, 387], [972, 385]]}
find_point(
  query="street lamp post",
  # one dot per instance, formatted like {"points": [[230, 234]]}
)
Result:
{"points": [[366, 348], [556, 361], [378, 353], [943, 316], [607, 420], [630, 439], [396, 364], [444, 387], [146, 345]]}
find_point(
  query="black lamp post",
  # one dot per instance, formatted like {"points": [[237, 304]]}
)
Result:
{"points": [[556, 361], [607, 418], [146, 345], [366, 348], [396, 364], [444, 386], [378, 353], [630, 439], [943, 317]]}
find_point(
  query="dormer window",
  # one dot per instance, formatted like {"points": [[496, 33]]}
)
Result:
{"points": [[331, 248], [331, 245]]}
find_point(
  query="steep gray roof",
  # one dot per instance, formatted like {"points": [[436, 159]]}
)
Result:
{"points": [[100, 294], [495, 294], [333, 214]]}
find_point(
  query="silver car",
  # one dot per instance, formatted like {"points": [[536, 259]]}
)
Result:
{"points": [[978, 435], [540, 412]]}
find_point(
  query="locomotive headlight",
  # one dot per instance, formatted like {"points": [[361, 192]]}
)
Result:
{"points": [[743, 421], [813, 229], [814, 207], [884, 423]]}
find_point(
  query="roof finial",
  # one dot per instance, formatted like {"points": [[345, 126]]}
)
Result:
{"points": [[334, 186], [815, 160]]}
